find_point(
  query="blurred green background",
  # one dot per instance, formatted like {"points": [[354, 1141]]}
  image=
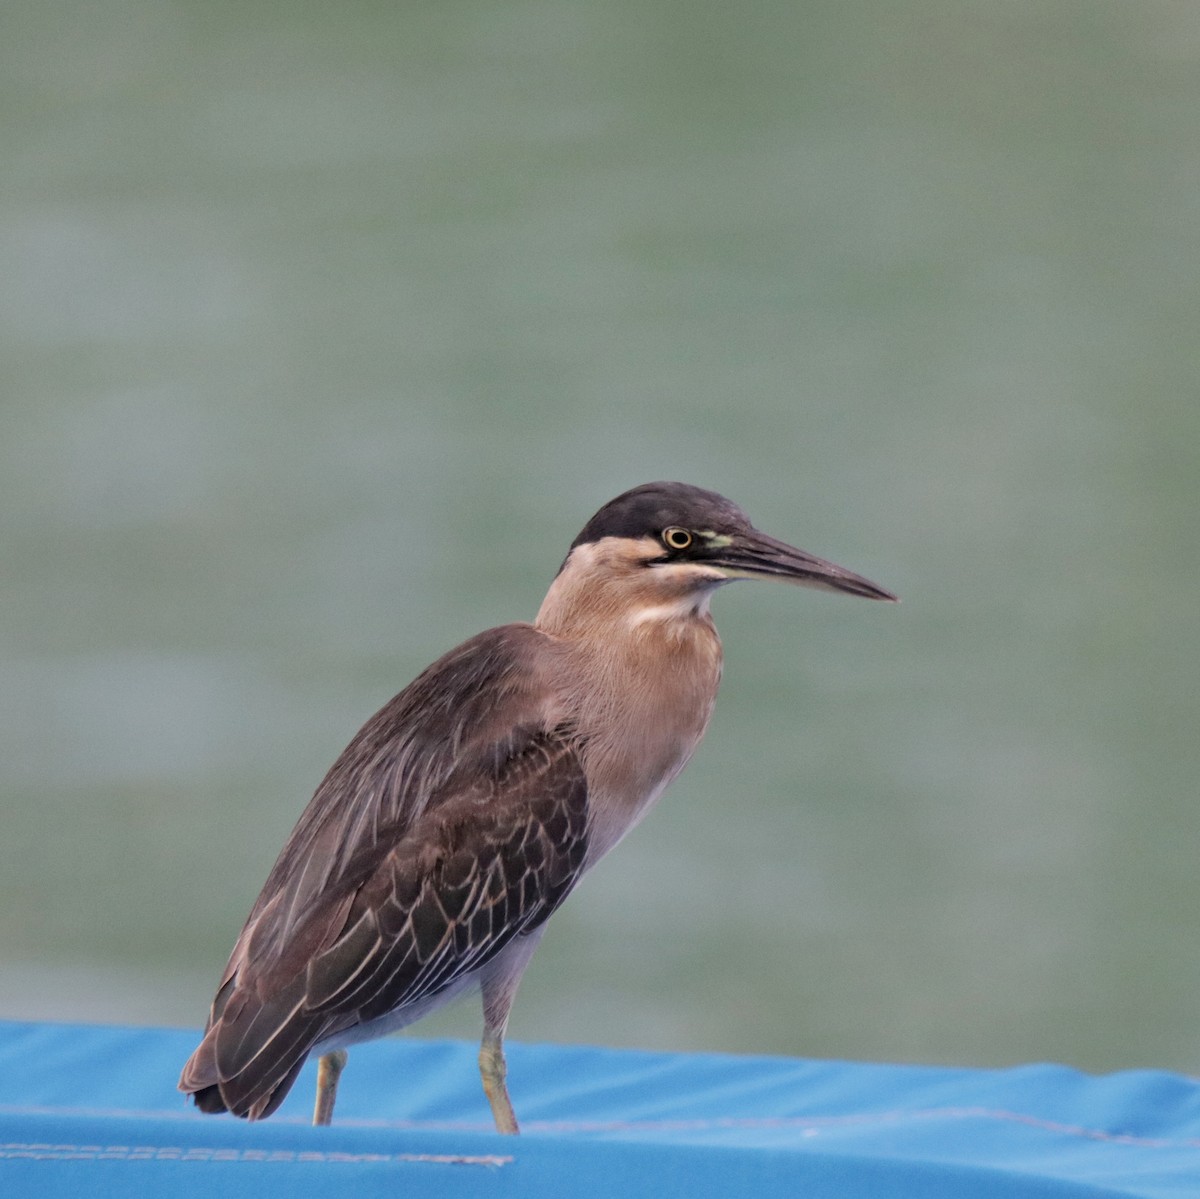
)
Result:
{"points": [[325, 328]]}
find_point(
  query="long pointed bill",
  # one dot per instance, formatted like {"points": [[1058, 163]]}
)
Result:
{"points": [[757, 556]]}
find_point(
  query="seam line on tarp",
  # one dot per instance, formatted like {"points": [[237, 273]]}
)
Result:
{"points": [[46, 1151], [814, 1125], [809, 1126]]}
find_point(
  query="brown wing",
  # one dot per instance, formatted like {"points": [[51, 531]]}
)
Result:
{"points": [[458, 720], [487, 866], [477, 841]]}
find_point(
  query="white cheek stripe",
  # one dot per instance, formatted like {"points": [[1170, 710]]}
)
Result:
{"points": [[653, 613], [691, 572], [687, 607]]}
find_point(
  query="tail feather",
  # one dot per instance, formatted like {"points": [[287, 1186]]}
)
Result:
{"points": [[209, 1101], [222, 1075]]}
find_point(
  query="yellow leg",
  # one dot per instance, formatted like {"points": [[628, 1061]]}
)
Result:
{"points": [[499, 988], [329, 1070], [492, 1070]]}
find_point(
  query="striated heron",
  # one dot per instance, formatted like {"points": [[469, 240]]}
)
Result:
{"points": [[464, 811]]}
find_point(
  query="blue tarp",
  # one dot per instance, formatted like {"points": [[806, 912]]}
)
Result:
{"points": [[93, 1111]]}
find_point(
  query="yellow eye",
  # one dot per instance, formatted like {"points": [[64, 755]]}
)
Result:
{"points": [[676, 538]]}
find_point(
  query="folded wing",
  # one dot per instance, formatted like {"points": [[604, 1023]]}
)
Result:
{"points": [[383, 900]]}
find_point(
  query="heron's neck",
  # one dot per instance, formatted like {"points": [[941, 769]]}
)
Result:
{"points": [[644, 664], [594, 602]]}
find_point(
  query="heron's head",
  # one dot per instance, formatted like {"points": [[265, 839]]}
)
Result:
{"points": [[663, 548]]}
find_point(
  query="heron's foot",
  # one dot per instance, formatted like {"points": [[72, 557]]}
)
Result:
{"points": [[329, 1070]]}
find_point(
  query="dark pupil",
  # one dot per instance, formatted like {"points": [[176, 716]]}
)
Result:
{"points": [[677, 538]]}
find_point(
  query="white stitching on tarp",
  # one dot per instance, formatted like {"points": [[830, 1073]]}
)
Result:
{"points": [[808, 1126], [815, 1125], [39, 1151]]}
